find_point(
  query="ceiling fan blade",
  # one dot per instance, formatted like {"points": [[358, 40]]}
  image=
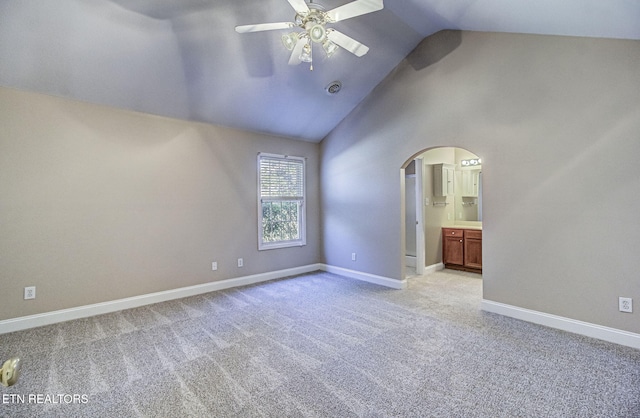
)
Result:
{"points": [[355, 8], [259, 27], [299, 6], [297, 51], [347, 43]]}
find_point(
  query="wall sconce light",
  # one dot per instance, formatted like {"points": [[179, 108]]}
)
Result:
{"points": [[10, 372], [471, 162]]}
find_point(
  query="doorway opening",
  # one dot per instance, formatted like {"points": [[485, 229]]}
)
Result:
{"points": [[442, 190]]}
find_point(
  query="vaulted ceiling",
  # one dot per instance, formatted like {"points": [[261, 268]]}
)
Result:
{"points": [[183, 59]]}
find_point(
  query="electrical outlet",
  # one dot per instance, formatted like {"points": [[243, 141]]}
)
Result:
{"points": [[625, 304], [29, 292], [353, 256], [240, 262], [214, 266]]}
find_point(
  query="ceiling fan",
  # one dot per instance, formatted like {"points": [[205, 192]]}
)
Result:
{"points": [[312, 18]]}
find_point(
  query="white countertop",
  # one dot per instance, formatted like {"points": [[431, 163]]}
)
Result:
{"points": [[460, 226]]}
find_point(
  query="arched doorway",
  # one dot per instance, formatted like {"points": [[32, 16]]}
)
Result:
{"points": [[442, 188]]}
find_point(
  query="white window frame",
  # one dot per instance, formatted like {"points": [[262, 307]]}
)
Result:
{"points": [[302, 200]]}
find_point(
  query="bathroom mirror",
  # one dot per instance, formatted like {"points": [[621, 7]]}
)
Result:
{"points": [[468, 194]]}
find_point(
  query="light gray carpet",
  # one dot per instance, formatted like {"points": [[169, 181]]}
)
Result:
{"points": [[321, 345]]}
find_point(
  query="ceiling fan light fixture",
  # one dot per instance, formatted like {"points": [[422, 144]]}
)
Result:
{"points": [[290, 40], [305, 56], [329, 47], [317, 33]]}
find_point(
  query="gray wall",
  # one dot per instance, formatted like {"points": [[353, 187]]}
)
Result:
{"points": [[98, 204], [556, 121]]}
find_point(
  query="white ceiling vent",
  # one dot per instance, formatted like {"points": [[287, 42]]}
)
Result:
{"points": [[333, 87]]}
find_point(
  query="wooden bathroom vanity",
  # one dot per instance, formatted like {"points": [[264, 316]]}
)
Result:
{"points": [[462, 249]]}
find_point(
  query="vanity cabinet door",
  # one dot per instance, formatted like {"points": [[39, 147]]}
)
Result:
{"points": [[453, 247], [473, 249], [443, 180]]}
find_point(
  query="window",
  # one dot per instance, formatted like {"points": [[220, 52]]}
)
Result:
{"points": [[281, 198]]}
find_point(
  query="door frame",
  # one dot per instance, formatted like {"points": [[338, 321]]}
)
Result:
{"points": [[420, 238]]}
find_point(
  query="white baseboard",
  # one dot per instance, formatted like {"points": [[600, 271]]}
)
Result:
{"points": [[48, 318], [433, 268], [366, 277], [410, 260], [600, 332]]}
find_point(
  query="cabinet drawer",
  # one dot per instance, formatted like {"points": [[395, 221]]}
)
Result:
{"points": [[471, 233], [447, 232]]}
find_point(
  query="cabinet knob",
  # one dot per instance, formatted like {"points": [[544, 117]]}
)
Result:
{"points": [[460, 240], [453, 233]]}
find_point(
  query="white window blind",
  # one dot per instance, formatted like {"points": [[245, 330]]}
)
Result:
{"points": [[281, 178]]}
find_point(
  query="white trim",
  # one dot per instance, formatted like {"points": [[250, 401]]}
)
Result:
{"points": [[48, 318], [419, 201], [433, 268], [600, 332], [366, 277], [410, 260]]}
